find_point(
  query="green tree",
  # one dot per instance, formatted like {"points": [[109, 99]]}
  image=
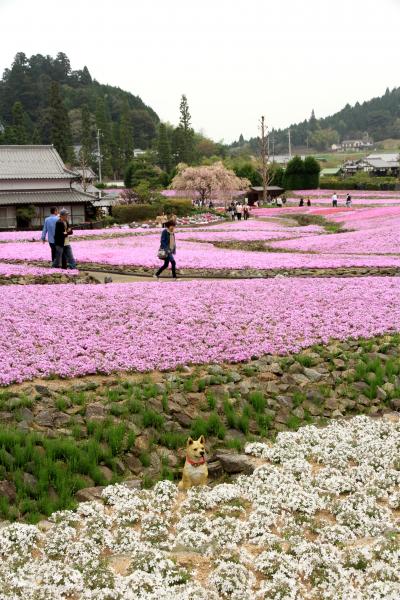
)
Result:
{"points": [[116, 151], [248, 171], [142, 170], [126, 134], [164, 149], [36, 139], [20, 133], [311, 173], [103, 123], [59, 123], [294, 174], [86, 136], [185, 134]]}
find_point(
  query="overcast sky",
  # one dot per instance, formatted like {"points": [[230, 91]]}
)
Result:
{"points": [[234, 59]]}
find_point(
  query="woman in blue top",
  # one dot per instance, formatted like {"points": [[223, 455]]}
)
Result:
{"points": [[169, 246]]}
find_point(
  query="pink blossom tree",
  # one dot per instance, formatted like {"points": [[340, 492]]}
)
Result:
{"points": [[208, 181]]}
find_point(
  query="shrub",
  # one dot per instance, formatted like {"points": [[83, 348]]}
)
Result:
{"points": [[135, 212], [150, 418], [257, 400], [142, 212]]}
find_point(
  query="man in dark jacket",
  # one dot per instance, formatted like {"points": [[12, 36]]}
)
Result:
{"points": [[64, 255], [169, 246]]}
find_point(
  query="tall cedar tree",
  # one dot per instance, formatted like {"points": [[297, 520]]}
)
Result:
{"points": [[59, 123], [185, 146], [164, 149], [126, 135], [20, 134], [87, 136], [103, 123]]}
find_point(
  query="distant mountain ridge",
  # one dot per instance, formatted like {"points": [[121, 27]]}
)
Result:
{"points": [[29, 80], [378, 118]]}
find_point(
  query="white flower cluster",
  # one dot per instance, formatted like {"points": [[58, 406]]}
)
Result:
{"points": [[318, 519]]}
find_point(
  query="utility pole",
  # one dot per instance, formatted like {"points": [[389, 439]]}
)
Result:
{"points": [[264, 151], [99, 154], [273, 145]]}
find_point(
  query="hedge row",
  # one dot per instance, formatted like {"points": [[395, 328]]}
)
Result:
{"points": [[143, 212], [354, 183]]}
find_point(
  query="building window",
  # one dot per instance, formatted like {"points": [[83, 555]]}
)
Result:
{"points": [[8, 217]]}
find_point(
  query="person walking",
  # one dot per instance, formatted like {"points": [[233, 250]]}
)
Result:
{"points": [[348, 201], [334, 200], [49, 229], [246, 212], [239, 211], [301, 203], [308, 202], [168, 247], [63, 256]]}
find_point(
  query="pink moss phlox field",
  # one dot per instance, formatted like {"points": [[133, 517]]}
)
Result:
{"points": [[376, 231], [9, 270], [141, 252], [132, 326], [35, 236]]}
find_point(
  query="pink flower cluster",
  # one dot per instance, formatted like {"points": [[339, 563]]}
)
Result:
{"points": [[202, 322], [10, 270]]}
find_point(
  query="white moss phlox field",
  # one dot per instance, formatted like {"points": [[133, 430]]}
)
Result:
{"points": [[319, 518]]}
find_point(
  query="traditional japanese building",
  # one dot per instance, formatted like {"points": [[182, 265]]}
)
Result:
{"points": [[34, 178]]}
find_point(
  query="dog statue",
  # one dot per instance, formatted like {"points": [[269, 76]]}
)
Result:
{"points": [[195, 471]]}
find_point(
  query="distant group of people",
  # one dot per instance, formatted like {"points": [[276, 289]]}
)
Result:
{"points": [[202, 203], [237, 210], [308, 202], [58, 231], [335, 200]]}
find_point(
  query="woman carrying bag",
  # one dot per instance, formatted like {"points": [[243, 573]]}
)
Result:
{"points": [[167, 249]]}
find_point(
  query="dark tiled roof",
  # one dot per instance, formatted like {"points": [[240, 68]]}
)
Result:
{"points": [[32, 162], [45, 197]]}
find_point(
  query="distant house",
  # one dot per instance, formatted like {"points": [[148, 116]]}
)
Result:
{"points": [[36, 176], [330, 172], [356, 145], [86, 173], [256, 193], [138, 152], [375, 164]]}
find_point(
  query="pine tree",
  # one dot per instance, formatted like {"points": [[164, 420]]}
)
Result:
{"points": [[164, 149], [18, 114], [126, 134], [59, 123]]}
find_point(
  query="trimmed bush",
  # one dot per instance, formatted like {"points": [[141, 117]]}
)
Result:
{"points": [[143, 212]]}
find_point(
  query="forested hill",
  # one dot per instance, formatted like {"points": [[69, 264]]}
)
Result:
{"points": [[40, 94], [378, 118]]}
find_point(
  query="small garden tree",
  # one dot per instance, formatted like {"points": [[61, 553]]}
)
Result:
{"points": [[208, 181]]}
